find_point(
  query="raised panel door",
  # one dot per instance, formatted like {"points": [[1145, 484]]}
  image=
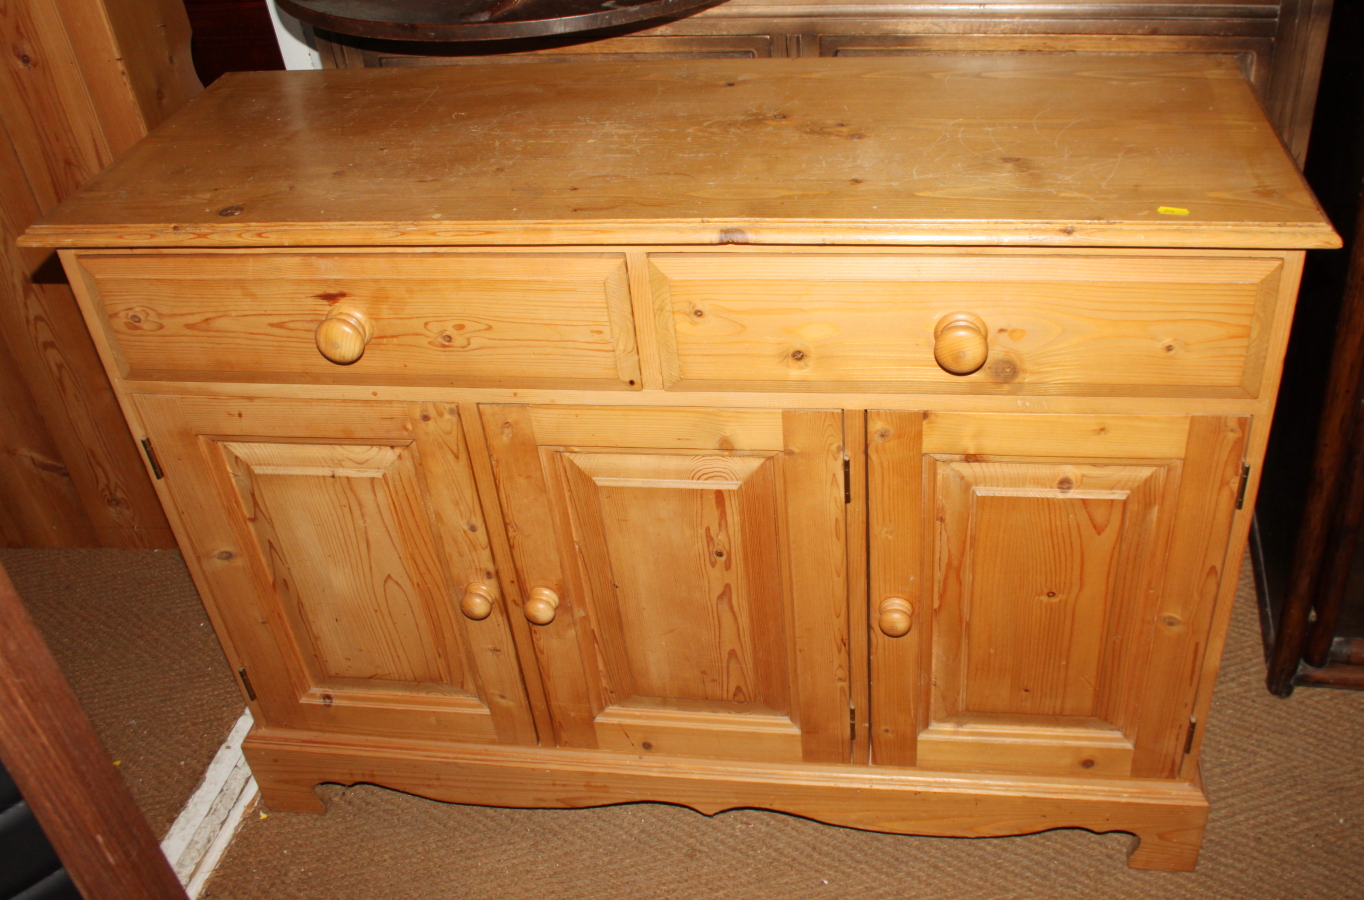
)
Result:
{"points": [[699, 561], [1058, 573], [336, 542]]}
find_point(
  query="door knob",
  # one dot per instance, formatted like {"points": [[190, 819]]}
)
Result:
{"points": [[960, 343], [342, 336], [541, 606], [478, 601], [897, 616]]}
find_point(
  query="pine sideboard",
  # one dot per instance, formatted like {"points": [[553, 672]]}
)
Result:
{"points": [[872, 440]]}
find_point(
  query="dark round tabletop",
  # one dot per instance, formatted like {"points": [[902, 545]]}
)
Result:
{"points": [[477, 20]]}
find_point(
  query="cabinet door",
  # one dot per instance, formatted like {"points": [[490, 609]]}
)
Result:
{"points": [[698, 558], [334, 542], [1057, 576]]}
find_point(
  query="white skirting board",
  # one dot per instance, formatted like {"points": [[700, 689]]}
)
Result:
{"points": [[206, 825]]}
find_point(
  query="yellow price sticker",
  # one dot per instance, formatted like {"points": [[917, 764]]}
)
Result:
{"points": [[1171, 211]]}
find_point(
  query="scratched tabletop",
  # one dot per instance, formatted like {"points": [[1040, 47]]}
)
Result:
{"points": [[1165, 150]]}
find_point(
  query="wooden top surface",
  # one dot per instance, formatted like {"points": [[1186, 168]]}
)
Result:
{"points": [[1062, 150]]}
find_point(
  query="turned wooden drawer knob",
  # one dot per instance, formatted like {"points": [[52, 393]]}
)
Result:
{"points": [[477, 602], [342, 336], [897, 616], [960, 343], [541, 606]]}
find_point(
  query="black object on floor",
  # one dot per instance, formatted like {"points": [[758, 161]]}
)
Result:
{"points": [[29, 867]]}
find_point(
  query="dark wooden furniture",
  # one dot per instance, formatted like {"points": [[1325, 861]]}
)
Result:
{"points": [[1278, 43], [1312, 497], [1315, 635], [51, 750]]}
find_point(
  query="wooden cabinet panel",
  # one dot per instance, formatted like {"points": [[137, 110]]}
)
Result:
{"points": [[713, 588], [361, 583], [338, 540], [701, 571], [547, 320], [1043, 578], [1253, 49], [1054, 324]]}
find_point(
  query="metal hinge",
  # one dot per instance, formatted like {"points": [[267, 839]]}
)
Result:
{"points": [[847, 479], [151, 458], [1188, 741], [246, 683], [1241, 491], [852, 723]]}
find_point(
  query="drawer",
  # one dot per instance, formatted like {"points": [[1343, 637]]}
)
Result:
{"points": [[523, 320], [1062, 324]]}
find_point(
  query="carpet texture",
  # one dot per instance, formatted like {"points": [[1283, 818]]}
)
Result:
{"points": [[1285, 778], [130, 634]]}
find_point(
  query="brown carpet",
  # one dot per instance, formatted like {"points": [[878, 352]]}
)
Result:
{"points": [[1286, 780], [129, 632]]}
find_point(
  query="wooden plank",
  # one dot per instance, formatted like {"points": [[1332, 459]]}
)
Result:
{"points": [[42, 331], [151, 43], [66, 113], [681, 429], [50, 749], [1097, 752], [1194, 573], [643, 308], [699, 734], [531, 529], [1069, 437], [45, 105], [816, 538], [1167, 817], [41, 506], [1085, 133], [895, 501], [859, 650], [1299, 48]]}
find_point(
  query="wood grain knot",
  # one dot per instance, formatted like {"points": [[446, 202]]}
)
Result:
{"points": [[1004, 370], [141, 319]]}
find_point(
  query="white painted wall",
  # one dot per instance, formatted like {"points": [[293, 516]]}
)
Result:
{"points": [[295, 39]]}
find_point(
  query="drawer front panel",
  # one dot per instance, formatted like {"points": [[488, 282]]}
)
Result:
{"points": [[546, 320], [1136, 326]]}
